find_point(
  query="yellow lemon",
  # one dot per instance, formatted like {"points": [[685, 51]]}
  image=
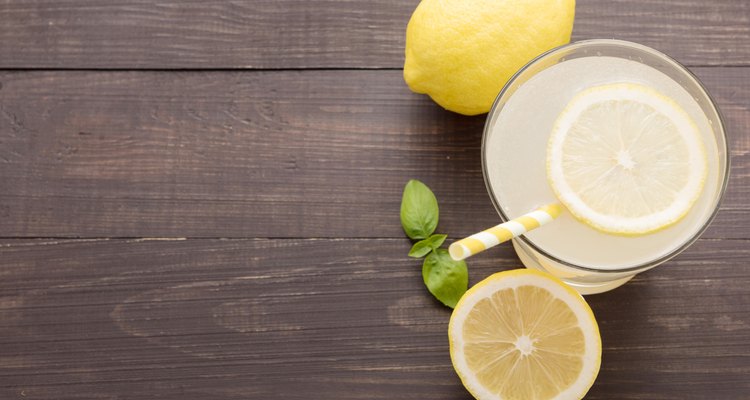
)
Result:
{"points": [[462, 52], [524, 334]]}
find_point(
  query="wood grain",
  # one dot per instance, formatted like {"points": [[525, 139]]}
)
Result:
{"points": [[275, 34], [343, 319], [208, 206], [264, 154]]}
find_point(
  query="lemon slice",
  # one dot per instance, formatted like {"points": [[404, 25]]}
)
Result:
{"points": [[523, 334], [625, 159]]}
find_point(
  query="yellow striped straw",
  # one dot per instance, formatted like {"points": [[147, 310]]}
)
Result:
{"points": [[482, 241]]}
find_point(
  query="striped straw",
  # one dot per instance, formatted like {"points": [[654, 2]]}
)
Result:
{"points": [[481, 241]]}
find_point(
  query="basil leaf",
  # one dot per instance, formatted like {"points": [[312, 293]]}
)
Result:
{"points": [[419, 210], [436, 240], [446, 279], [423, 247]]}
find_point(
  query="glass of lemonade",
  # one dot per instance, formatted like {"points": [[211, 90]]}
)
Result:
{"points": [[515, 143]]}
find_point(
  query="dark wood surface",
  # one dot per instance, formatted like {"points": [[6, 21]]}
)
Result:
{"points": [[217, 216], [277, 34]]}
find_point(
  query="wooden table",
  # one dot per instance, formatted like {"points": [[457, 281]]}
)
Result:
{"points": [[199, 200]]}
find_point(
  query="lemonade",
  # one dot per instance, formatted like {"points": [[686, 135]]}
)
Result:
{"points": [[515, 146]]}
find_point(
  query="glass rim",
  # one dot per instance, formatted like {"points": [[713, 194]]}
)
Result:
{"points": [[673, 63]]}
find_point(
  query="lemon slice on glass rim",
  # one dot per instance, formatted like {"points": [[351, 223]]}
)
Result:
{"points": [[625, 159], [523, 334]]}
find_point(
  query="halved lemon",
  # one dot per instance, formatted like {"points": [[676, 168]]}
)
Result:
{"points": [[625, 159], [523, 334]]}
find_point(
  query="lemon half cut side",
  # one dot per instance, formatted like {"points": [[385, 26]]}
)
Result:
{"points": [[625, 159], [523, 334]]}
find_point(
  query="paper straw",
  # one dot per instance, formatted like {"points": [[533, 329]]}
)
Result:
{"points": [[481, 241]]}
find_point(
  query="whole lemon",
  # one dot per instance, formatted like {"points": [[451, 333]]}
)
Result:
{"points": [[462, 52]]}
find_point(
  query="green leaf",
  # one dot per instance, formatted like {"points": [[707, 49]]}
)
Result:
{"points": [[446, 279], [423, 247], [419, 210]]}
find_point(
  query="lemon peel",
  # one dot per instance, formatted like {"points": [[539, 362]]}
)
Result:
{"points": [[461, 53]]}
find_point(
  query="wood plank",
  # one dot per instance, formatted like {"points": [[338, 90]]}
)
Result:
{"points": [[262, 154], [343, 319], [319, 33]]}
